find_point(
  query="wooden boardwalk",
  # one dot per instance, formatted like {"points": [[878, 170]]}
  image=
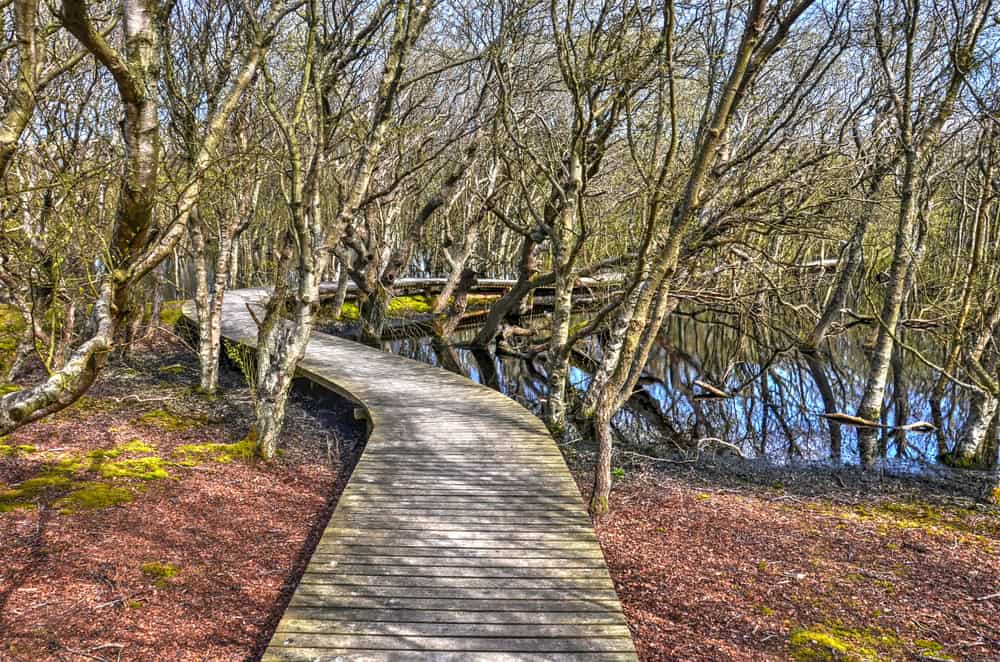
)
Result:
{"points": [[461, 535]]}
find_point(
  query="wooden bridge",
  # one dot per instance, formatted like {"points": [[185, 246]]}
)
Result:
{"points": [[460, 536]]}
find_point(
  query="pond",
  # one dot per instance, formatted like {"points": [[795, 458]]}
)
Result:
{"points": [[774, 411]]}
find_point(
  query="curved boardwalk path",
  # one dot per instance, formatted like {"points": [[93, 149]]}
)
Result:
{"points": [[460, 536]]}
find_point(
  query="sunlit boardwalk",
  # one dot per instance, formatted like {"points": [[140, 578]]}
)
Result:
{"points": [[461, 535]]}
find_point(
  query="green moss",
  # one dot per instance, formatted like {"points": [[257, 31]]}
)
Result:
{"points": [[929, 518], [11, 330], [409, 304], [766, 611], [191, 454], [28, 492], [401, 306], [145, 468], [171, 313], [350, 311], [175, 369], [134, 604], [833, 642], [69, 481], [134, 447], [814, 646], [481, 299], [137, 446], [959, 462], [926, 647], [102, 454], [161, 572], [165, 420], [91, 496], [9, 388], [21, 449]]}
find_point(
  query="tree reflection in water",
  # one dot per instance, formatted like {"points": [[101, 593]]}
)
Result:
{"points": [[774, 409]]}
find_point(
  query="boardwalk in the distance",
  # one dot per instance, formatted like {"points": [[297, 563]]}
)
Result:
{"points": [[461, 535]]}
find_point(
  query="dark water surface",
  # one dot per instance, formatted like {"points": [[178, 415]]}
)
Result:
{"points": [[773, 414]]}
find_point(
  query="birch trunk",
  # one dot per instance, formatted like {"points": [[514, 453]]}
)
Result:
{"points": [[343, 278], [870, 408]]}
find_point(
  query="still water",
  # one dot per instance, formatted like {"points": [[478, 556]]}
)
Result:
{"points": [[773, 412]]}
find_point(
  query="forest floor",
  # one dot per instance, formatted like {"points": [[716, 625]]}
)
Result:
{"points": [[134, 526], [712, 567]]}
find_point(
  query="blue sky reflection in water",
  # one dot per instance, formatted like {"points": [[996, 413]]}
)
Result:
{"points": [[775, 415]]}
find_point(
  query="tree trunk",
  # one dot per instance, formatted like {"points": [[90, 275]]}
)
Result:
{"points": [[343, 278], [853, 258], [156, 306], [559, 351], [527, 268], [818, 371], [599, 500], [901, 402], [457, 309], [903, 260], [457, 265], [968, 451], [373, 312]]}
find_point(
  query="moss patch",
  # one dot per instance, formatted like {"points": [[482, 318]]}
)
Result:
{"points": [[191, 454], [927, 648], [21, 449], [349, 311], [169, 422], [87, 406], [29, 491], [929, 518], [146, 468], [9, 388], [160, 572], [409, 305], [11, 330], [399, 307], [171, 312], [92, 496], [833, 642], [69, 482]]}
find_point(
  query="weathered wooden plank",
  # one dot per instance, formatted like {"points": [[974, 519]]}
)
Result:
{"points": [[431, 545], [592, 644], [460, 536], [434, 536], [330, 590], [467, 567], [544, 582], [454, 617], [279, 654], [354, 522], [568, 630], [301, 598]]}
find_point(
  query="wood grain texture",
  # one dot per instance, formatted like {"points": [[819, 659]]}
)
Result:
{"points": [[461, 534]]}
